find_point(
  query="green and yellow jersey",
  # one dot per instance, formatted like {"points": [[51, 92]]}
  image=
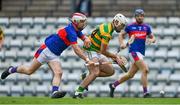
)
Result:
{"points": [[101, 34]]}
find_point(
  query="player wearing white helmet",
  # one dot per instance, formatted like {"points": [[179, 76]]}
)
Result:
{"points": [[119, 22], [98, 52], [52, 48], [79, 20]]}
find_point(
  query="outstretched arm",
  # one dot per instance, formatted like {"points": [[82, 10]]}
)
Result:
{"points": [[105, 52], [86, 40], [79, 52]]}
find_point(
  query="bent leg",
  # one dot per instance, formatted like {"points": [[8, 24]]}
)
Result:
{"points": [[93, 73], [143, 66], [130, 74], [132, 71], [57, 72], [29, 69], [21, 69], [105, 69], [57, 75]]}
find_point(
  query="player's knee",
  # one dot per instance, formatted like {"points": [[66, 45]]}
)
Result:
{"points": [[145, 71], [58, 73], [29, 72]]}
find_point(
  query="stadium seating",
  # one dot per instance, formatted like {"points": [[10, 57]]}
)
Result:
{"points": [[24, 36], [107, 8], [5, 90]]}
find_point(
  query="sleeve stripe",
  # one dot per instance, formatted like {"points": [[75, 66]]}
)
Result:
{"points": [[73, 42], [82, 37], [107, 35]]}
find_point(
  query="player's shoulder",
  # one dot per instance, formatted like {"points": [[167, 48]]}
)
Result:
{"points": [[69, 26], [105, 26], [146, 25], [131, 24], [70, 29], [135, 24]]}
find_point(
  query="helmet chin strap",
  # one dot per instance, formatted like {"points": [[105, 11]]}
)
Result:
{"points": [[74, 23]]}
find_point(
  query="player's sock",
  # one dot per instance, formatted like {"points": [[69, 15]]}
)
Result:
{"points": [[80, 89], [12, 70], [56, 93], [115, 84], [145, 89], [55, 88]]}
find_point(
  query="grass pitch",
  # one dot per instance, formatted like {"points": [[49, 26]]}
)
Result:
{"points": [[88, 101]]}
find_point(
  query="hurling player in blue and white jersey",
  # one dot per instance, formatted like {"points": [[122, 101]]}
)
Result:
{"points": [[52, 48], [142, 33]]}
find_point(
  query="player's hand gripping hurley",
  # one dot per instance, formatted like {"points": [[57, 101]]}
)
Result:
{"points": [[130, 41]]}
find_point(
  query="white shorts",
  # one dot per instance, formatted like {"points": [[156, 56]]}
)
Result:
{"points": [[44, 55], [135, 56], [92, 54]]}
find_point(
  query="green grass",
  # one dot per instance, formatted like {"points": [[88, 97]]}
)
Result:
{"points": [[90, 101]]}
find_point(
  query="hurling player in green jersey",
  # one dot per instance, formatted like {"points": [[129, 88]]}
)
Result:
{"points": [[98, 52]]}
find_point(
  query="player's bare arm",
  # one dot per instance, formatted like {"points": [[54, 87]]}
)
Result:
{"points": [[105, 52], [80, 53], [151, 39]]}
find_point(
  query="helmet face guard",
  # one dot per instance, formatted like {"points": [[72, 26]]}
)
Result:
{"points": [[78, 18], [120, 22]]}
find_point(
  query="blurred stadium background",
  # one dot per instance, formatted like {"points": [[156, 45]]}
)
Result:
{"points": [[27, 22]]}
